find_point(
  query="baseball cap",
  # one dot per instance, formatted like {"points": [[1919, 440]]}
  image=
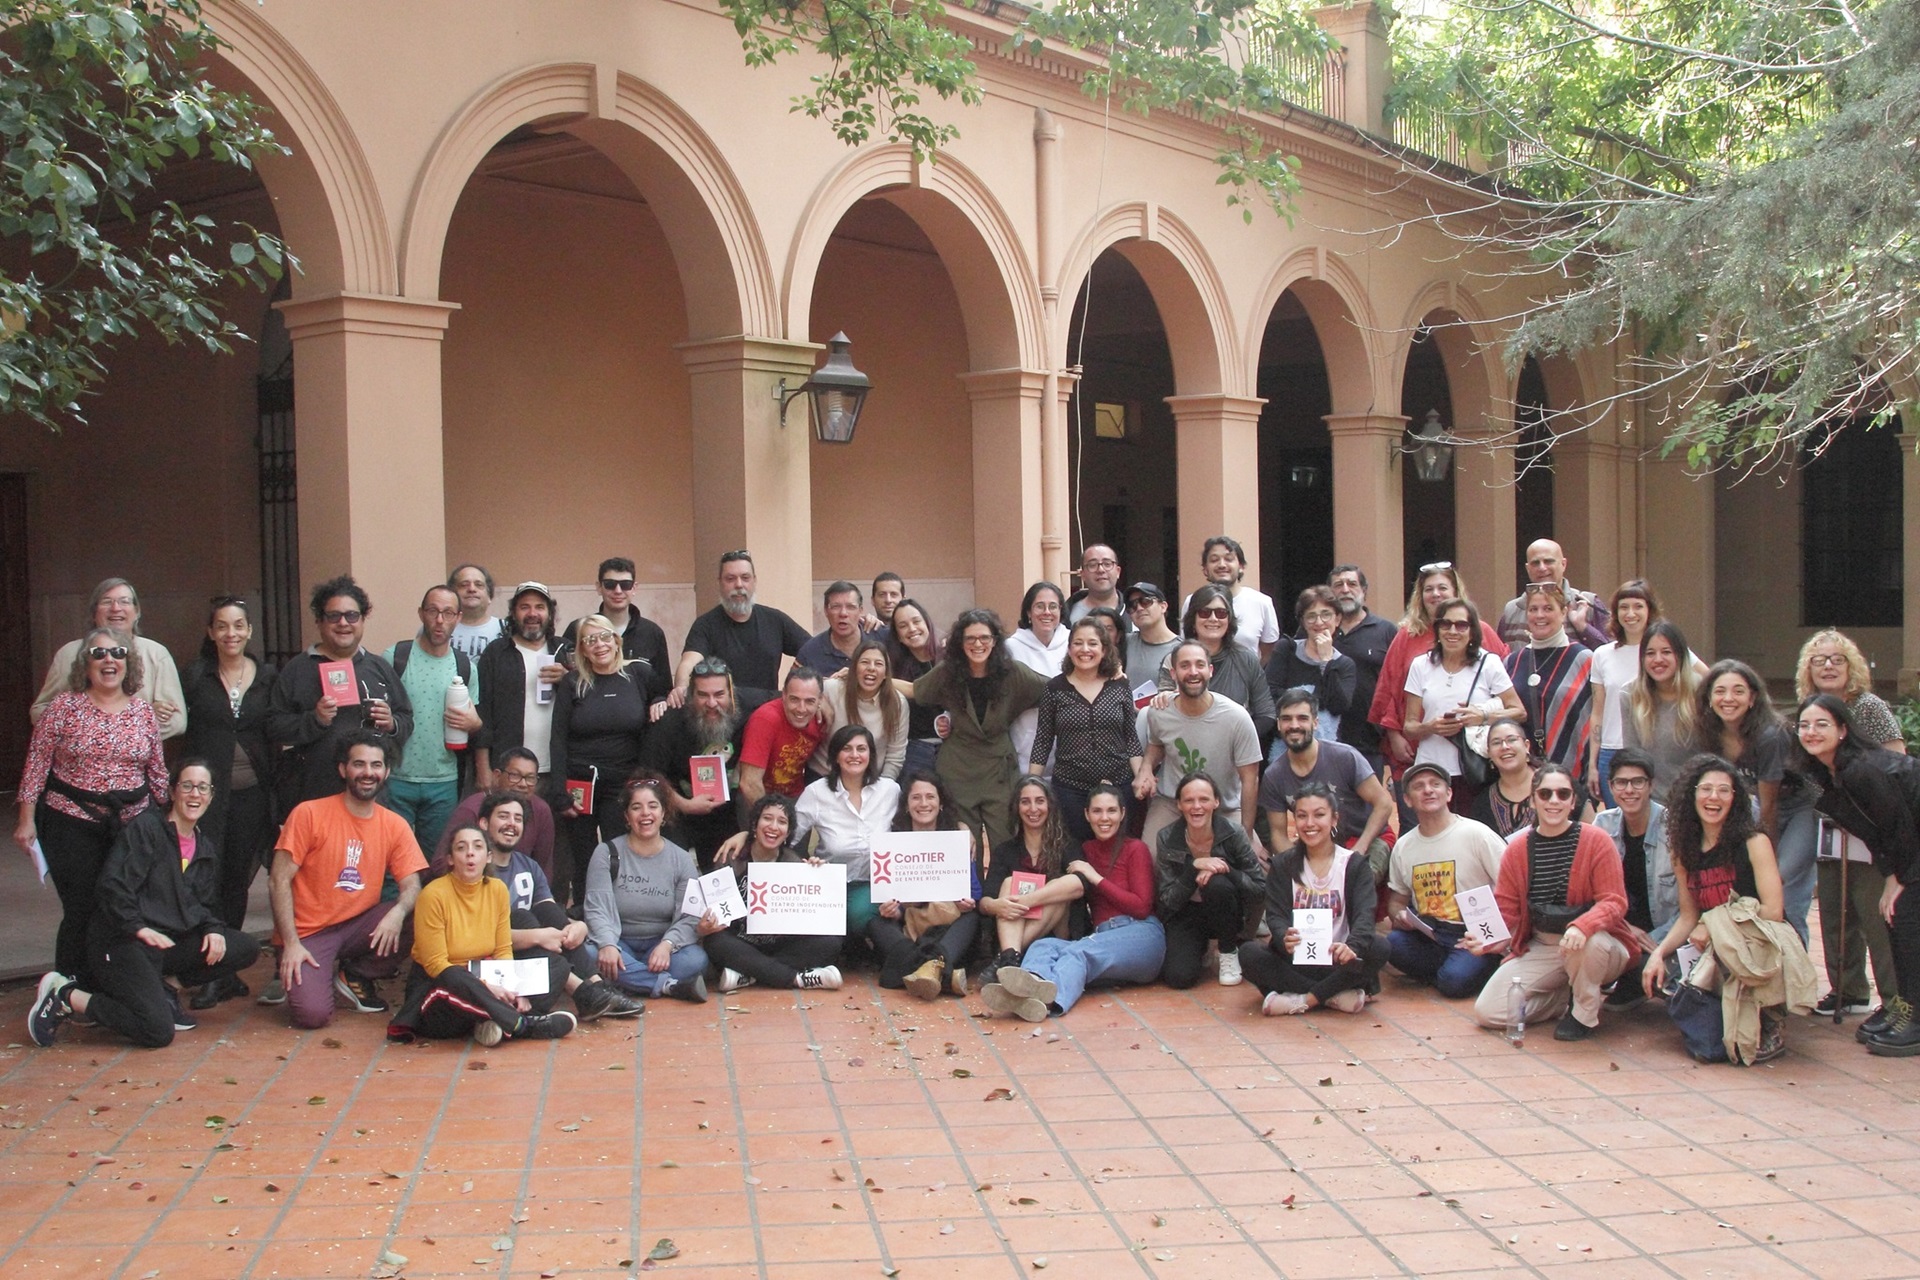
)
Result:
{"points": [[1146, 589], [1433, 767], [539, 587]]}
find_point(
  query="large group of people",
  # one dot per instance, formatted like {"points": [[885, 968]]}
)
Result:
{"points": [[1553, 815]]}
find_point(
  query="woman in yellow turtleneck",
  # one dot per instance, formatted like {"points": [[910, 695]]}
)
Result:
{"points": [[462, 917]]}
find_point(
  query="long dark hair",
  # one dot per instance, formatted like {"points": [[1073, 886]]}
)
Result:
{"points": [[1760, 716], [1212, 593], [953, 663], [209, 651], [949, 816], [1053, 832], [1684, 832], [902, 657], [1850, 748], [1293, 863], [845, 734]]}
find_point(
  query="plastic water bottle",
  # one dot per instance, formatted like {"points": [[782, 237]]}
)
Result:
{"points": [[458, 699], [1516, 1013]]}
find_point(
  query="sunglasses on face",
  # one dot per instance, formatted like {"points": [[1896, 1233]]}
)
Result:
{"points": [[617, 584], [1452, 624], [1214, 613], [100, 652], [1553, 793], [349, 616]]}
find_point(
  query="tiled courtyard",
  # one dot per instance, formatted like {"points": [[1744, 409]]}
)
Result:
{"points": [[860, 1133]]}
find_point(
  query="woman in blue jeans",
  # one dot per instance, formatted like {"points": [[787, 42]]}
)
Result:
{"points": [[635, 884], [1128, 942]]}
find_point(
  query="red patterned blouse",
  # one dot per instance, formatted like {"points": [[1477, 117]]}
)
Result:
{"points": [[95, 750]]}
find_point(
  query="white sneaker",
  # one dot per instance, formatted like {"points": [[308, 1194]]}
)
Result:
{"points": [[732, 980], [1281, 1004], [1229, 968], [1348, 1001], [825, 978], [487, 1033]]}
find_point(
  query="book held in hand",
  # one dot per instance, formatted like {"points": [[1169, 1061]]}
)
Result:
{"points": [[1022, 883], [338, 682], [708, 776]]}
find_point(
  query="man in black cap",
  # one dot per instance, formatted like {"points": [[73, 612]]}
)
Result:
{"points": [[517, 675], [1151, 639]]}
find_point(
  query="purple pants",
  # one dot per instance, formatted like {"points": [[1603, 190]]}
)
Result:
{"points": [[348, 944]]}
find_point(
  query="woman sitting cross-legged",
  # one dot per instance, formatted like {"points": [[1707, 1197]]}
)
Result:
{"points": [[635, 884], [158, 919], [1316, 874], [923, 946], [802, 961], [1128, 942], [462, 917], [1208, 875], [1040, 849]]}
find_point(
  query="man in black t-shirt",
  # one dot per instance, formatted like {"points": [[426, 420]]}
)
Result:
{"points": [[750, 638], [1363, 636], [640, 637]]}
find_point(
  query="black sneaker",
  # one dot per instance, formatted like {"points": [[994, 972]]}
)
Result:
{"points": [[1875, 1024], [693, 990], [361, 995], [1825, 1008], [557, 1025], [1008, 959], [206, 997], [182, 1020], [604, 1000], [50, 1008], [1625, 995], [1571, 1028]]}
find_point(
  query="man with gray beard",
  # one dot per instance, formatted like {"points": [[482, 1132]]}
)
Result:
{"points": [[709, 722], [1363, 636], [749, 638]]}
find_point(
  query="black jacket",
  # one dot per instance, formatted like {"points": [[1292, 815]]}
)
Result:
{"points": [[503, 697], [142, 886], [1877, 797], [213, 729], [309, 771]]}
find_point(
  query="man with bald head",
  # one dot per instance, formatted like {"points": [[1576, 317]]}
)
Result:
{"points": [[1099, 585], [1586, 614]]}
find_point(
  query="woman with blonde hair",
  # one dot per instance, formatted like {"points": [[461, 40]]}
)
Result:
{"points": [[1433, 585], [600, 719], [1662, 705], [1832, 663]]}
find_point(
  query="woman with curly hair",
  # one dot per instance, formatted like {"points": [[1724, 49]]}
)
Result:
{"points": [[1661, 706], [1040, 849], [981, 690], [1719, 854]]}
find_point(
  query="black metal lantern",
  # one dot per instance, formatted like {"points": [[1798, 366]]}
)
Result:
{"points": [[1428, 446], [835, 394]]}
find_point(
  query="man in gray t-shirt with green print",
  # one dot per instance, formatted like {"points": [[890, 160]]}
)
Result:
{"points": [[1199, 732]]}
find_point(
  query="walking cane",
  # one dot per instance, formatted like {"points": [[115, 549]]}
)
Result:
{"points": [[1839, 996]]}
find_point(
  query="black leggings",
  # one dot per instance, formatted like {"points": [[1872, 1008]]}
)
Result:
{"points": [[76, 853], [244, 836], [1217, 917], [579, 836], [901, 955], [454, 1003], [1905, 934], [128, 993], [1271, 969], [577, 961], [774, 963]]}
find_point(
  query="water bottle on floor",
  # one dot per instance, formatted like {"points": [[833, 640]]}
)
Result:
{"points": [[1516, 1013]]}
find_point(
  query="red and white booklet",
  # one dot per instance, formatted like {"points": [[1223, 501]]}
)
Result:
{"points": [[708, 777], [1022, 883], [338, 682]]}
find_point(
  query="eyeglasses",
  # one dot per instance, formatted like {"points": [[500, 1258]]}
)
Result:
{"points": [[349, 616], [1553, 793], [225, 602], [1099, 564], [1808, 726], [1453, 624], [101, 652], [118, 602], [597, 638], [1212, 612], [974, 640], [519, 775], [195, 788], [616, 584], [439, 613], [1827, 660], [1633, 783], [711, 667], [1438, 566], [1713, 790]]}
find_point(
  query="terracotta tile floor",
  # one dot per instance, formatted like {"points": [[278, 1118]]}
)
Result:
{"points": [[1152, 1133]]}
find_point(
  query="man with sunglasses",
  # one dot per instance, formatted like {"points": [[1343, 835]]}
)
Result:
{"points": [[640, 637], [309, 723], [710, 722], [751, 638], [1151, 639], [116, 604]]}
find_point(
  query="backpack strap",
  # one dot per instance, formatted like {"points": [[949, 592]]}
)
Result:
{"points": [[401, 652]]}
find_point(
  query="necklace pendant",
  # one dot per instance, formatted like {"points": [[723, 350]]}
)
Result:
{"points": [[1533, 681]]}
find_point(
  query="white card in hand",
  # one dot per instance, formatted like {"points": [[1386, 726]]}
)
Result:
{"points": [[1315, 927], [1485, 924], [721, 891], [521, 977]]}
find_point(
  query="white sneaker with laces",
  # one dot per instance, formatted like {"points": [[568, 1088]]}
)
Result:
{"points": [[1348, 1001], [1230, 968], [732, 980], [1281, 1004], [825, 978]]}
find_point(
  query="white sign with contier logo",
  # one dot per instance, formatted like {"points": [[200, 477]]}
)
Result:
{"points": [[792, 897], [922, 866]]}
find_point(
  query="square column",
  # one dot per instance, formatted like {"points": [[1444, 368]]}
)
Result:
{"points": [[1593, 511], [1909, 549], [1217, 446], [1367, 513], [1484, 527], [1007, 459], [751, 484], [372, 484]]}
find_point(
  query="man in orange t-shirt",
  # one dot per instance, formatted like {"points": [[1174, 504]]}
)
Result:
{"points": [[329, 865]]}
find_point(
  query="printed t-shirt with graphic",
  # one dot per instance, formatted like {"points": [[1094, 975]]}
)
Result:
{"points": [[1216, 742], [1429, 870], [773, 745], [340, 861], [526, 883], [1327, 892]]}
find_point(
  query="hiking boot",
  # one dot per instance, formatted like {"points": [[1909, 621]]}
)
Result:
{"points": [[825, 978], [1001, 999], [557, 1025], [51, 1007], [1229, 967], [1571, 1028], [1023, 984], [1876, 1023], [360, 993], [1901, 1039], [1348, 1001], [693, 990], [732, 980], [487, 1033], [925, 982], [1282, 1004]]}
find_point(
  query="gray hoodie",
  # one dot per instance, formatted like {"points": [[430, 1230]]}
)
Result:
{"points": [[629, 896]]}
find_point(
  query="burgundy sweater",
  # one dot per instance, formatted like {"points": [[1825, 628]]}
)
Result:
{"points": [[1127, 886]]}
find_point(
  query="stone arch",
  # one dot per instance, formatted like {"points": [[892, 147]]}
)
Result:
{"points": [[1477, 379], [1336, 302], [708, 224], [968, 227], [324, 193], [1186, 288]]}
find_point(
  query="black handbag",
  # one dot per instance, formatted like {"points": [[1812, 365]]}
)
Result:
{"points": [[1474, 767]]}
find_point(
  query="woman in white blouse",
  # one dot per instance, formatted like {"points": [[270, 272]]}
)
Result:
{"points": [[846, 811], [1452, 686]]}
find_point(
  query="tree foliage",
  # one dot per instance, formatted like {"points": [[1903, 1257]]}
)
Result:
{"points": [[1731, 186], [96, 98]]}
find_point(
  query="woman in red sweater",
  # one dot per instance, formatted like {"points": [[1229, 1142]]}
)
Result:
{"points": [[1128, 942], [1563, 896]]}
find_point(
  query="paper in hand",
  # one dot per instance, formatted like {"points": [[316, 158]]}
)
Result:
{"points": [[1485, 924], [39, 857], [521, 977], [1315, 927]]}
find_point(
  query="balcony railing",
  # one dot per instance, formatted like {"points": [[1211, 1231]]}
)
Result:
{"points": [[1317, 82]]}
